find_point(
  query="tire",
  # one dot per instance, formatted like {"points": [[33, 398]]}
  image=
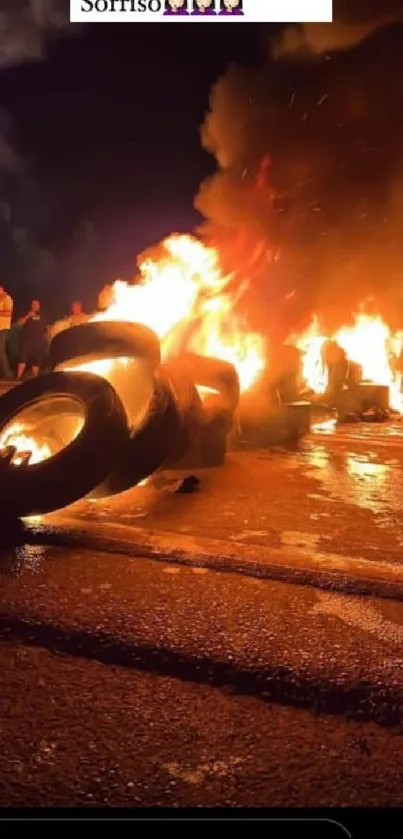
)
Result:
{"points": [[190, 407], [83, 463], [214, 440], [104, 339], [220, 376], [299, 415], [150, 446], [219, 423], [215, 406]]}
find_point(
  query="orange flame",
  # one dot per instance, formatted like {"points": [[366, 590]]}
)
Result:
{"points": [[181, 295], [310, 343], [369, 343], [14, 435]]}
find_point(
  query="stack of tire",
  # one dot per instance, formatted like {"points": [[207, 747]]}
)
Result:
{"points": [[109, 454], [220, 381]]}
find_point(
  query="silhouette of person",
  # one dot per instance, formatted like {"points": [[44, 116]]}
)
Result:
{"points": [[203, 7], [176, 7], [231, 7]]}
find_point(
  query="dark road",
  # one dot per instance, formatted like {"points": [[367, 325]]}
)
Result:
{"points": [[328, 513], [339, 494], [238, 646], [75, 732], [130, 682]]}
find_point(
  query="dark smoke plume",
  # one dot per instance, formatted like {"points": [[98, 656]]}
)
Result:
{"points": [[308, 197], [354, 24], [26, 25]]}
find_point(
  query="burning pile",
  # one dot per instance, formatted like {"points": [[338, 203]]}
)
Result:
{"points": [[159, 375], [344, 367], [182, 295]]}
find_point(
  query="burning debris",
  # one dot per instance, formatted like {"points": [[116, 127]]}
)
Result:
{"points": [[357, 370], [170, 373], [109, 416]]}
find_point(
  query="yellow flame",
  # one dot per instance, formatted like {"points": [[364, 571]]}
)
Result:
{"points": [[371, 344], [368, 342], [14, 435], [314, 370], [99, 366], [181, 295]]}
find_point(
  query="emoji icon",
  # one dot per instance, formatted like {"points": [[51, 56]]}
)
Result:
{"points": [[203, 7], [231, 7], [176, 7]]}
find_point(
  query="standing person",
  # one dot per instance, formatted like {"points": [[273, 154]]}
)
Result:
{"points": [[77, 315], [6, 311], [105, 298], [32, 341]]}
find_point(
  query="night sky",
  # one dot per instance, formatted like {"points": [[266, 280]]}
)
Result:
{"points": [[101, 156], [107, 128]]}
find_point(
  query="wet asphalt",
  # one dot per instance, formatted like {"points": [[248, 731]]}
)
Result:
{"points": [[144, 682], [75, 732], [334, 494]]}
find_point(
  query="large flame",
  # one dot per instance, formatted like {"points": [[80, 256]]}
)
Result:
{"points": [[25, 445], [314, 371], [181, 294], [368, 342]]}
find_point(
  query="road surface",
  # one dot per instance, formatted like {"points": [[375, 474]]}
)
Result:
{"points": [[76, 732], [179, 681], [328, 513]]}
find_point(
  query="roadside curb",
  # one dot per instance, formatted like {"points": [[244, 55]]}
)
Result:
{"points": [[334, 572]]}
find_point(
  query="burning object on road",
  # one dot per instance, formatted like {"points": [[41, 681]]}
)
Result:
{"points": [[172, 356], [272, 412], [174, 370], [356, 371], [108, 416]]}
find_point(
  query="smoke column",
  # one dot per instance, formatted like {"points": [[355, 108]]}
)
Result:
{"points": [[307, 200], [25, 26], [25, 29]]}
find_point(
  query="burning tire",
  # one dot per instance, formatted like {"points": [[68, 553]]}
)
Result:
{"points": [[190, 406], [215, 375], [170, 430], [149, 446], [81, 422], [104, 340]]}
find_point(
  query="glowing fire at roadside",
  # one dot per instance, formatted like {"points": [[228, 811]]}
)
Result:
{"points": [[98, 367], [368, 343], [314, 371], [15, 436], [181, 295]]}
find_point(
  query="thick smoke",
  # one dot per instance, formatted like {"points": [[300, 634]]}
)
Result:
{"points": [[10, 161], [308, 198], [26, 25], [354, 24]]}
